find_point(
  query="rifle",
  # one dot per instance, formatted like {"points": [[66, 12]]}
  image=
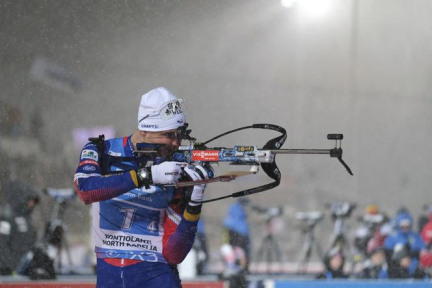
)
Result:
{"points": [[198, 152]]}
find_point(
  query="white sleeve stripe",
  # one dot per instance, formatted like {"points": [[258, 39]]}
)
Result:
{"points": [[173, 215], [84, 175], [175, 220]]}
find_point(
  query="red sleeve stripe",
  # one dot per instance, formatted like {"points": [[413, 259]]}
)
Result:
{"points": [[101, 193], [97, 195], [81, 194]]}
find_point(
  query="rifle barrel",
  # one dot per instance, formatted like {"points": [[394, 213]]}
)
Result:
{"points": [[299, 151], [274, 151]]}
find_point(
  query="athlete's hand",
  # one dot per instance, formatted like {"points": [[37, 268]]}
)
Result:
{"points": [[168, 172], [196, 173], [205, 171]]}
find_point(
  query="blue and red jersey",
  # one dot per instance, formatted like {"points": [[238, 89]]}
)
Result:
{"points": [[130, 222]]}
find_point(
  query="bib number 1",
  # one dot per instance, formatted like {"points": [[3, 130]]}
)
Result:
{"points": [[129, 217]]}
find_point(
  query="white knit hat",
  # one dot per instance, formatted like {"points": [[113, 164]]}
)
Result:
{"points": [[160, 110]]}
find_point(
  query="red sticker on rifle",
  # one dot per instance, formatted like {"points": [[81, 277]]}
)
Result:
{"points": [[205, 155]]}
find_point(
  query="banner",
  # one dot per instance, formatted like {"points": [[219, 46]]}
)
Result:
{"points": [[55, 76]]}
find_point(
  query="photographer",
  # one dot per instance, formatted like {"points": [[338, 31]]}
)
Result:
{"points": [[426, 235], [371, 223], [375, 266], [334, 262], [404, 267], [142, 229], [17, 233], [236, 244], [406, 237]]}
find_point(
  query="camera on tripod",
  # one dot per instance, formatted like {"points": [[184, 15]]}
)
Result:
{"points": [[64, 194], [373, 219], [39, 262], [313, 216], [55, 228], [269, 248], [310, 219], [273, 212], [341, 209], [269, 213]]}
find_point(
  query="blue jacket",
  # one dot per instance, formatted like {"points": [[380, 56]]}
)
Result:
{"points": [[236, 219], [409, 237]]}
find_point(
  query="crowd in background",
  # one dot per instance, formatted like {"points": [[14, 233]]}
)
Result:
{"points": [[384, 246]]}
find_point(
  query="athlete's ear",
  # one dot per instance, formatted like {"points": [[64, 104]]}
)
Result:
{"points": [[142, 136]]}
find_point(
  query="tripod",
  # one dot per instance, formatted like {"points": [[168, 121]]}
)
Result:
{"points": [[340, 211], [55, 233], [269, 246], [37, 263], [310, 219]]}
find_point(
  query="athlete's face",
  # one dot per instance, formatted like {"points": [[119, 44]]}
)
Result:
{"points": [[169, 138]]}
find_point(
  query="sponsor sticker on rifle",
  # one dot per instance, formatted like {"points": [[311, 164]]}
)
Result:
{"points": [[205, 155], [245, 148]]}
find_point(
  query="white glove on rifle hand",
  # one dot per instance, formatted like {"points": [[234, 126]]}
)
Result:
{"points": [[196, 173], [168, 172]]}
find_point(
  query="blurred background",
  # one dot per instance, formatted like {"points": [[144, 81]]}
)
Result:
{"points": [[76, 69]]}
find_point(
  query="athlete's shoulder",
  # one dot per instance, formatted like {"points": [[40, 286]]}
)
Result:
{"points": [[117, 139], [93, 150]]}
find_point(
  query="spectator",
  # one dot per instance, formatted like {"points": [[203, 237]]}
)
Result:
{"points": [[200, 245], [404, 267], [426, 235], [377, 240], [236, 248], [371, 223], [426, 231], [18, 235], [375, 267], [334, 263], [237, 227], [13, 121], [403, 235]]}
